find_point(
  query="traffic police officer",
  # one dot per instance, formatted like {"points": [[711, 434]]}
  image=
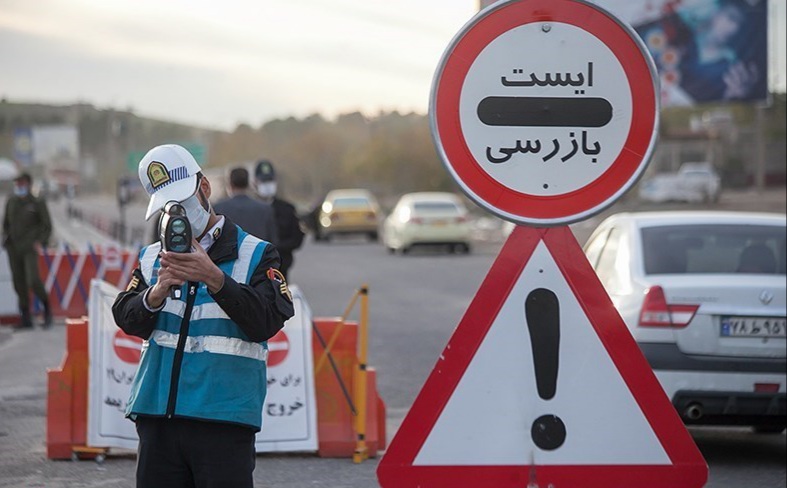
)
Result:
{"points": [[288, 225], [197, 397], [26, 228]]}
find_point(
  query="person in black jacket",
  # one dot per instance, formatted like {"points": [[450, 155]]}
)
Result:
{"points": [[198, 394], [253, 216], [287, 222]]}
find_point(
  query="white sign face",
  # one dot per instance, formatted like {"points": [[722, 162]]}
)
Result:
{"points": [[545, 112], [556, 67], [590, 396], [113, 364], [290, 413], [290, 409]]}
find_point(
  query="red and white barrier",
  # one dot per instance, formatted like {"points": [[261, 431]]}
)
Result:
{"points": [[67, 273]]}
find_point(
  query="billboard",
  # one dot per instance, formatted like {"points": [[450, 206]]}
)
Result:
{"points": [[56, 147], [705, 50], [23, 146]]}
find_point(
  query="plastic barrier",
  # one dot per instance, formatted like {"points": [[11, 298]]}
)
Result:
{"points": [[335, 406], [66, 274], [67, 395], [66, 406]]}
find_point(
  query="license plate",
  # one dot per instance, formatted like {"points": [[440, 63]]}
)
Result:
{"points": [[753, 327]]}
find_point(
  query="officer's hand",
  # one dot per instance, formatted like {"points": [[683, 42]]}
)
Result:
{"points": [[194, 266], [160, 291]]}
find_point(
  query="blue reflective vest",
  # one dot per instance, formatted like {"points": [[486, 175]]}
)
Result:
{"points": [[198, 363]]}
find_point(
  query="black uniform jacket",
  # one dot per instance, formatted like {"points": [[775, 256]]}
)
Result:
{"points": [[259, 308], [288, 226]]}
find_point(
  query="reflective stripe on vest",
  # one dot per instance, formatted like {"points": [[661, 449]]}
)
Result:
{"points": [[214, 344], [210, 310], [240, 271], [148, 259]]}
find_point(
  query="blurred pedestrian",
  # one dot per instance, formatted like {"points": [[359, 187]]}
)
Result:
{"points": [[253, 216], [287, 223], [198, 394], [26, 231]]}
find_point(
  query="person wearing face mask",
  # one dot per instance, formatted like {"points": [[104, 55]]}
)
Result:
{"points": [[287, 222], [198, 394], [26, 230]]}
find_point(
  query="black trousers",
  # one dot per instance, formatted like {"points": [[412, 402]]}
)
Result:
{"points": [[180, 453]]}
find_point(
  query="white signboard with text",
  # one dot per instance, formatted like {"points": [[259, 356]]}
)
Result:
{"points": [[545, 112], [290, 411]]}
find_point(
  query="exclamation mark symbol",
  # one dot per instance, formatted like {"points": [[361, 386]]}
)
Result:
{"points": [[542, 312]]}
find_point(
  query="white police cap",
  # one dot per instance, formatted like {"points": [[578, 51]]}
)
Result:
{"points": [[168, 172]]}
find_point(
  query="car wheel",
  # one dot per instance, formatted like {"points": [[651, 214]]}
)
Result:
{"points": [[405, 249], [464, 248], [391, 250], [768, 429], [373, 236]]}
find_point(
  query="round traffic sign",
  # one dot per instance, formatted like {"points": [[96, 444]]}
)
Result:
{"points": [[545, 111], [127, 348], [278, 348]]}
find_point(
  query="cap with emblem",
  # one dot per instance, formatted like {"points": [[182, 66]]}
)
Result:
{"points": [[264, 171], [168, 173]]}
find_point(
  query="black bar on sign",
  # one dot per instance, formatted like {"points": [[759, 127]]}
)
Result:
{"points": [[545, 112]]}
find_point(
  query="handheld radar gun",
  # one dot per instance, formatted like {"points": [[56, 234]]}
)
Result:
{"points": [[175, 233]]}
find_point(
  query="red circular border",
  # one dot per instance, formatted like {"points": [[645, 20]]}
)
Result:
{"points": [[643, 94]]}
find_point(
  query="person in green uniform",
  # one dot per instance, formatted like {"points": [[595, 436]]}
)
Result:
{"points": [[26, 230]]}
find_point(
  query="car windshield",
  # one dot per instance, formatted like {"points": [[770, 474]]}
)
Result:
{"points": [[351, 202], [436, 208], [714, 249]]}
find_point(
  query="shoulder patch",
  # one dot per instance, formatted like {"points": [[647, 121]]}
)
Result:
{"points": [[278, 279], [133, 284]]}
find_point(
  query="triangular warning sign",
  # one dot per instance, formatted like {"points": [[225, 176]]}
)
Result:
{"points": [[542, 385]]}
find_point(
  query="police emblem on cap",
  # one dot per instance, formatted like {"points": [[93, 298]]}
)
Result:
{"points": [[157, 174]]}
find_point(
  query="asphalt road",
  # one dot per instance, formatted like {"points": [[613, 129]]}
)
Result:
{"points": [[416, 301]]}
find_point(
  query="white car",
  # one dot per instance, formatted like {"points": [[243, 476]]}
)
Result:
{"points": [[694, 183], [701, 178], [428, 218], [703, 294]]}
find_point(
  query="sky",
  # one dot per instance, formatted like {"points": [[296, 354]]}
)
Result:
{"points": [[217, 63]]}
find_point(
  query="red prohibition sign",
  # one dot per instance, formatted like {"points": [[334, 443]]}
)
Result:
{"points": [[637, 138], [278, 348], [127, 348]]}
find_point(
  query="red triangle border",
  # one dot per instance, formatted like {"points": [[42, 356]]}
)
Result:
{"points": [[688, 468]]}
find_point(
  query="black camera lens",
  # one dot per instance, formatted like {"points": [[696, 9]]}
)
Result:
{"points": [[178, 226], [178, 243]]}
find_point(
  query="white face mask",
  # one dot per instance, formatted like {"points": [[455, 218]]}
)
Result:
{"points": [[21, 191], [197, 215], [266, 189]]}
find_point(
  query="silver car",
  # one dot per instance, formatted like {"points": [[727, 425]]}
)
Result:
{"points": [[427, 219], [703, 294]]}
